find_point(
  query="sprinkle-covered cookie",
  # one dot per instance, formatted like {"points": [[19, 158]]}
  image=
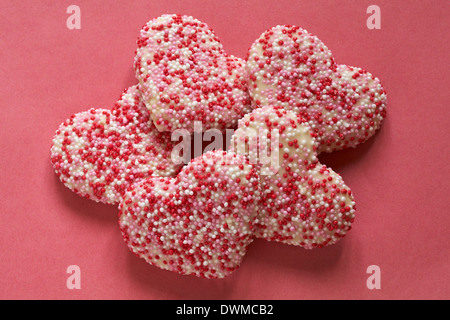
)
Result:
{"points": [[199, 223], [99, 153], [302, 203], [186, 76], [289, 67]]}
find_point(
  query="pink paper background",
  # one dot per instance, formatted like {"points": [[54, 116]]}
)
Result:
{"points": [[399, 177]]}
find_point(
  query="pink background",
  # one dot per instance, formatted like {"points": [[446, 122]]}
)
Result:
{"points": [[399, 177]]}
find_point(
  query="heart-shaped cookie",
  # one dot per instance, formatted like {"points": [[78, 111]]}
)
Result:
{"points": [[99, 153], [186, 76], [199, 223], [289, 67], [302, 202]]}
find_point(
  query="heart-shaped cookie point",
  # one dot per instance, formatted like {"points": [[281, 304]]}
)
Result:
{"points": [[289, 67], [302, 203], [99, 153], [199, 223], [186, 76]]}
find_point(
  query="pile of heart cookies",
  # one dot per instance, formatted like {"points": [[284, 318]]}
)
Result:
{"points": [[288, 98]]}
